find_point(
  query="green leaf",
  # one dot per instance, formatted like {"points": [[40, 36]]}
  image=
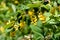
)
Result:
{"points": [[35, 29], [9, 38], [25, 30], [56, 35], [56, 13], [48, 6], [8, 25], [39, 23], [51, 21], [0, 0], [23, 7], [33, 5], [8, 30], [58, 1], [47, 14], [13, 7], [55, 4], [38, 36]]}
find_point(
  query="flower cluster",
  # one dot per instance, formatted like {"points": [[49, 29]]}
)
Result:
{"points": [[29, 20]]}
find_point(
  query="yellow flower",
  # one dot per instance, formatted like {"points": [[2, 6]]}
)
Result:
{"points": [[34, 23], [12, 34], [42, 17], [3, 4], [40, 13], [30, 13], [34, 20], [16, 2], [43, 21], [16, 27], [2, 29], [22, 24]]}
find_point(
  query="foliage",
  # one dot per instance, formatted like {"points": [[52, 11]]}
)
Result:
{"points": [[29, 19]]}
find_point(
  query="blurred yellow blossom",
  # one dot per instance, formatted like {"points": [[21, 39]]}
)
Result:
{"points": [[22, 24], [42, 17], [16, 27], [43, 21], [3, 4], [12, 34], [30, 13], [2, 29], [33, 20], [16, 2]]}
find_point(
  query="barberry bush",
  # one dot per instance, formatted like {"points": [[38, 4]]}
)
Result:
{"points": [[29, 19]]}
